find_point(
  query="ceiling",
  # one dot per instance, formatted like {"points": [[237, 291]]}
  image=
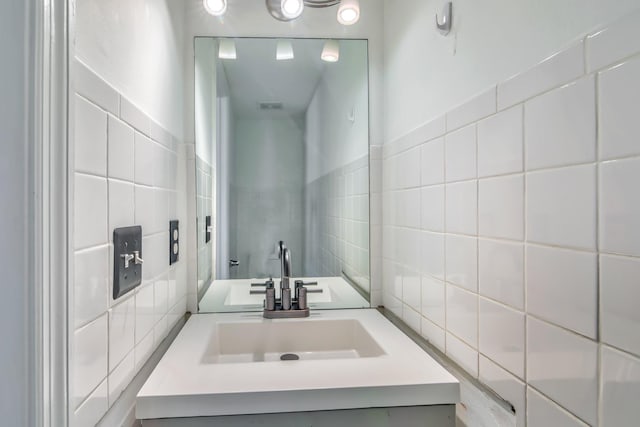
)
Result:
{"points": [[257, 77]]}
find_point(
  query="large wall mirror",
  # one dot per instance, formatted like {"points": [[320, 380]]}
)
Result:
{"points": [[282, 160]]}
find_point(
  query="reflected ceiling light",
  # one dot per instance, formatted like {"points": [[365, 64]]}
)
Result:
{"points": [[291, 9], [227, 49], [348, 12], [331, 51], [284, 50], [215, 7]]}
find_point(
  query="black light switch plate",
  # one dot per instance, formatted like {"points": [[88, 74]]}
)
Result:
{"points": [[207, 230], [174, 241], [126, 241]]}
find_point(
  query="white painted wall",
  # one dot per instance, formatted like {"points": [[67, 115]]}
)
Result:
{"points": [[137, 46], [426, 74], [14, 316], [332, 140], [249, 18]]}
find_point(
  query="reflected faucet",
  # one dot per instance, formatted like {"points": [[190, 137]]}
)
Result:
{"points": [[285, 265]]}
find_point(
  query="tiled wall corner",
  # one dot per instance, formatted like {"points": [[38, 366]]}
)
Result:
{"points": [[525, 206], [125, 173]]}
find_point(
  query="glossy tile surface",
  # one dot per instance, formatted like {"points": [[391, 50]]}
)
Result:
{"points": [[619, 210], [543, 412], [506, 385], [432, 162], [462, 261], [620, 388], [560, 126], [560, 207], [462, 314], [619, 295], [460, 154], [90, 143], [501, 207], [462, 207], [501, 271], [89, 359], [502, 335], [563, 366], [472, 110], [562, 287], [500, 143], [619, 98]]}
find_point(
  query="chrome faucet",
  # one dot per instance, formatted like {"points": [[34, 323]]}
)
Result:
{"points": [[286, 306]]}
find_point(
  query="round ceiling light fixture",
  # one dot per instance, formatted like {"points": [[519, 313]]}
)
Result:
{"points": [[348, 12], [331, 51], [215, 7], [292, 9]]}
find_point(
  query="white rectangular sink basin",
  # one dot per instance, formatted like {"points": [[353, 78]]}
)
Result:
{"points": [[257, 341], [229, 364]]}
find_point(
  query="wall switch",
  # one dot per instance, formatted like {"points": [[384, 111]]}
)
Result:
{"points": [[174, 239], [127, 260]]}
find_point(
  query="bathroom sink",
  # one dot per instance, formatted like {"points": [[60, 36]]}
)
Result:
{"points": [[250, 341]]}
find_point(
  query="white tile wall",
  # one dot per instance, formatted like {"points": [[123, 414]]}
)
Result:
{"points": [[530, 271], [122, 178]]}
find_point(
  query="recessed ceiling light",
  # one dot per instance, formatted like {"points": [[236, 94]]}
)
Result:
{"points": [[348, 12], [215, 7], [292, 8]]}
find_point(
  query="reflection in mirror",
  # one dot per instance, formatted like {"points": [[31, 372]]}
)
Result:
{"points": [[282, 155]]}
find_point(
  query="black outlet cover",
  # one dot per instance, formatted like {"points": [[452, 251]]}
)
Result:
{"points": [[207, 230], [174, 241], [125, 241]]}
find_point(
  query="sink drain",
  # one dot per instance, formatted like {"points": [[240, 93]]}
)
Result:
{"points": [[289, 356]]}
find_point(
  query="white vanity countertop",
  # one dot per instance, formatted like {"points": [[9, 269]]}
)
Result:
{"points": [[185, 384]]}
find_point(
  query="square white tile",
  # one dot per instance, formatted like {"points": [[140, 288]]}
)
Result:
{"points": [[433, 333], [91, 284], [407, 174], [120, 378], [461, 212], [92, 409], [161, 297], [619, 212], [554, 71], [411, 317], [561, 207], [619, 98], [506, 385], [432, 212], [90, 144], [121, 152], [433, 300], [619, 294], [462, 354], [500, 143], [563, 366], [145, 159], [562, 287], [143, 350], [560, 126], [408, 208], [501, 207], [89, 359], [408, 250], [501, 336], [501, 271], [460, 154], [432, 162], [90, 211], [462, 314], [543, 412], [620, 388], [121, 205], [461, 261], [145, 311], [411, 289], [122, 324], [432, 254]]}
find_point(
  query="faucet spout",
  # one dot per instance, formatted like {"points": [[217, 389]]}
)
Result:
{"points": [[286, 268]]}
